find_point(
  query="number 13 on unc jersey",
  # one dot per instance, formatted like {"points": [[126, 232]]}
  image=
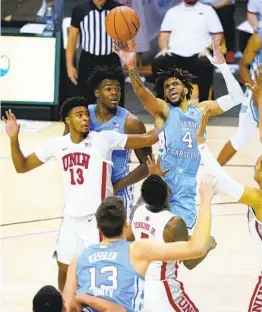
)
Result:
{"points": [[105, 277], [187, 139]]}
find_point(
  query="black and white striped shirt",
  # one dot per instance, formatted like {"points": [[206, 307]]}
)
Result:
{"points": [[91, 22]]}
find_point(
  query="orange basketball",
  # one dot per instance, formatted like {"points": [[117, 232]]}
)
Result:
{"points": [[122, 23]]}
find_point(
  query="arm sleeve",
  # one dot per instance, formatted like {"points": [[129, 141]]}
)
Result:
{"points": [[46, 151], [224, 183], [115, 140], [76, 17], [253, 6], [167, 22], [213, 22]]}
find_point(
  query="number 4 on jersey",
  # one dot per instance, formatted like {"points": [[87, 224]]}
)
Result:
{"points": [[187, 139]]}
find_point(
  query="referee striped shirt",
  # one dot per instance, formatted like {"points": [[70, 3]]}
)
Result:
{"points": [[91, 22]]}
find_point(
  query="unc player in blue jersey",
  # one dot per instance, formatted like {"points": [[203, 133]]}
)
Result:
{"points": [[176, 122], [106, 84], [114, 269], [250, 113]]}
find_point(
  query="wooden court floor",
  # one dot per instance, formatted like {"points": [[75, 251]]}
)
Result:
{"points": [[31, 210]]}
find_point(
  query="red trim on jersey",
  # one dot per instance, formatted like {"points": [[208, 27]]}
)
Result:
{"points": [[257, 229], [170, 297], [183, 290], [103, 185], [248, 213], [163, 271], [254, 294], [165, 31], [255, 13]]}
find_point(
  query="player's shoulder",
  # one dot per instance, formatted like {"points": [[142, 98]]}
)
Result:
{"points": [[134, 125], [59, 140]]}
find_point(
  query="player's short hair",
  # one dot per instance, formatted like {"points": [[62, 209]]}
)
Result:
{"points": [[48, 299], [71, 103], [183, 75], [154, 191], [101, 73], [111, 216]]}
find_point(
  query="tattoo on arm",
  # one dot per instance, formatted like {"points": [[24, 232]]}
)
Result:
{"points": [[136, 79]]}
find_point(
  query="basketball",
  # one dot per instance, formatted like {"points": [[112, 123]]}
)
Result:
{"points": [[122, 23]]}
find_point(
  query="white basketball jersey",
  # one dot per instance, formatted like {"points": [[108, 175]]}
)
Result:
{"points": [[255, 229], [146, 224], [86, 168]]}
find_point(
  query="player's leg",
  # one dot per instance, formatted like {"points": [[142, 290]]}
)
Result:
{"points": [[256, 299], [246, 129], [182, 202], [67, 246]]}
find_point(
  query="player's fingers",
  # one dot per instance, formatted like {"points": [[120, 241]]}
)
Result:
{"points": [[165, 171], [256, 75], [4, 120], [153, 159], [8, 117], [249, 86]]}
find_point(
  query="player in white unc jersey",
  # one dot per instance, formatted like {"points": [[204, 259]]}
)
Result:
{"points": [[250, 114], [106, 83], [176, 122], [85, 160], [243, 194], [115, 269], [152, 219]]}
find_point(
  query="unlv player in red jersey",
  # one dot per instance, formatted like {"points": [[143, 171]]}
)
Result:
{"points": [[152, 219], [85, 161]]}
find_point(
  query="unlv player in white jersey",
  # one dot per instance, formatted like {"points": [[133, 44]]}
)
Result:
{"points": [[246, 195], [85, 160], [152, 219]]}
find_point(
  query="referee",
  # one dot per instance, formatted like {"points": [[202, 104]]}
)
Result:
{"points": [[88, 20]]}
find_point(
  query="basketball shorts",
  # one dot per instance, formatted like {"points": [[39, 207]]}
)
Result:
{"points": [[127, 195], [75, 234], [167, 296], [183, 198], [248, 121]]}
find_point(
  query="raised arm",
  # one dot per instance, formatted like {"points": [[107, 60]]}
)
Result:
{"points": [[135, 141], [70, 288], [225, 184], [152, 104], [134, 126], [252, 48], [22, 164], [235, 94]]}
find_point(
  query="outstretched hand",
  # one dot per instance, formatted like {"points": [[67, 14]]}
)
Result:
{"points": [[127, 52], [256, 87], [218, 57], [202, 126], [11, 125], [154, 167]]}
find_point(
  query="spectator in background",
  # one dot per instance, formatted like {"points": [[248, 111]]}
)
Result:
{"points": [[225, 10], [185, 40], [88, 21], [254, 13]]}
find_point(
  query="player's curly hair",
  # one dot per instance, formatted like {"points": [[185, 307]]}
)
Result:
{"points": [[71, 103], [101, 73], [154, 191], [183, 75]]}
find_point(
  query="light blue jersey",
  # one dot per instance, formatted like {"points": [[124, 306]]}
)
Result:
{"points": [[254, 67], [106, 272], [178, 152], [120, 158]]}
